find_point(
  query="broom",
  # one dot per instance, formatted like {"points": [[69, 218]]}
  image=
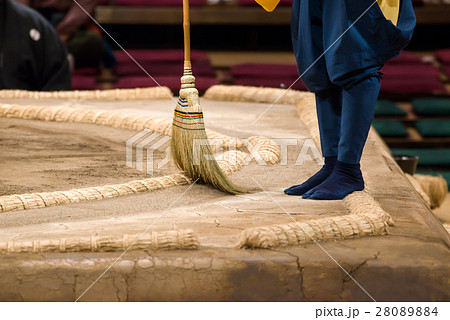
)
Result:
{"points": [[190, 147]]}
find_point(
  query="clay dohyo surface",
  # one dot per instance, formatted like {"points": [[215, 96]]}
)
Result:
{"points": [[411, 263]]}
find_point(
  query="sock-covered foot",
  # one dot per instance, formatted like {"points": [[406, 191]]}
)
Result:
{"points": [[315, 180], [345, 179]]}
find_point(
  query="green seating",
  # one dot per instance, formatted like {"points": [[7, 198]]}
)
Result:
{"points": [[431, 106], [390, 128], [434, 128], [388, 108], [427, 157], [443, 174]]}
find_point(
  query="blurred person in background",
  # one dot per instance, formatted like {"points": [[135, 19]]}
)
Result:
{"points": [[82, 38], [32, 57]]}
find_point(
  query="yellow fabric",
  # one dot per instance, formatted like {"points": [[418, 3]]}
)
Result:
{"points": [[269, 5], [391, 9]]}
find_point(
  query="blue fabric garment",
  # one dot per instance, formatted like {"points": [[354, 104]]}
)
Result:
{"points": [[345, 116], [345, 179], [341, 42], [315, 180]]}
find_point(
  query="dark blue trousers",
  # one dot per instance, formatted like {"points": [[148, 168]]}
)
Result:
{"points": [[340, 45]]}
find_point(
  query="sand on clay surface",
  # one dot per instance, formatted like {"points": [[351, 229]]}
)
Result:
{"points": [[39, 156]]}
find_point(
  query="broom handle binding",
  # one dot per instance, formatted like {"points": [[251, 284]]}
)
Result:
{"points": [[187, 34]]}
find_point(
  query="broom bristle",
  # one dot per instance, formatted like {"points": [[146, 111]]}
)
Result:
{"points": [[190, 148]]}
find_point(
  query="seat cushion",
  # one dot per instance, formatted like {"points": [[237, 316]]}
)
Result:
{"points": [[159, 56], [434, 128], [427, 157], [431, 106], [446, 70], [388, 108], [410, 71], [443, 55], [406, 86], [390, 128], [81, 82], [173, 82], [407, 57], [163, 69]]}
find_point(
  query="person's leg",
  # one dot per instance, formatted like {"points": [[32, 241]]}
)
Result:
{"points": [[358, 106], [328, 105]]}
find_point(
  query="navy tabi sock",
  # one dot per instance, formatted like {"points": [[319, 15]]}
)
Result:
{"points": [[315, 180], [345, 179]]}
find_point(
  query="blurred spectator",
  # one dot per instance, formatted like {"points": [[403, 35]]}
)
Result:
{"points": [[82, 38], [32, 57]]}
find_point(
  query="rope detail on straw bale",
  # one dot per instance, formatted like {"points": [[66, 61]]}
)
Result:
{"points": [[435, 187], [306, 111], [152, 93], [161, 240], [254, 94], [447, 227], [263, 147], [47, 199], [366, 218], [105, 118], [325, 229], [419, 189]]}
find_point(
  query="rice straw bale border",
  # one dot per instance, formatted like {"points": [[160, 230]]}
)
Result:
{"points": [[161, 240]]}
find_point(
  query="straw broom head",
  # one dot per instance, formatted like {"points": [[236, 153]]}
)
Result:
{"points": [[191, 150]]}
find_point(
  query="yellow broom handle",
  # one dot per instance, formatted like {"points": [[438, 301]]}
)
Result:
{"points": [[187, 34]]}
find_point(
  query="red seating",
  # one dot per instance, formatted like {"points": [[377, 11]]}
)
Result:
{"points": [[173, 82], [163, 69], [410, 70], [446, 69], [429, 86], [407, 57], [80, 82], [164, 3], [443, 55], [158, 56]]}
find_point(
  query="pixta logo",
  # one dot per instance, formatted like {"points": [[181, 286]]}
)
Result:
{"points": [[147, 151]]}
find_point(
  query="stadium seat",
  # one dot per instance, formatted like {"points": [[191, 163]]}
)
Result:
{"points": [[407, 57], [443, 55], [158, 56], [163, 69], [405, 86], [420, 71], [173, 82], [82, 82], [390, 128], [388, 108], [427, 157], [446, 70], [434, 128], [431, 106]]}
